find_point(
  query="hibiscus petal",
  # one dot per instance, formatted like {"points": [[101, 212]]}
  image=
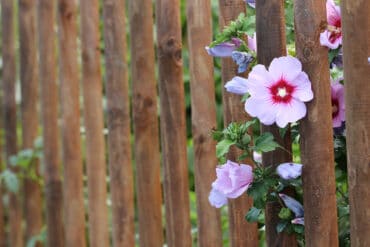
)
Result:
{"points": [[241, 177], [286, 67], [221, 50], [252, 42], [262, 109], [324, 40], [332, 12], [289, 170], [289, 113], [217, 199], [237, 85], [302, 85]]}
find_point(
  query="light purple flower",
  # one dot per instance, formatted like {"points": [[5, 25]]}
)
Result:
{"points": [[224, 49], [294, 205], [298, 221], [368, 60], [237, 85], [337, 102], [332, 37], [257, 157], [289, 170], [252, 42], [251, 3], [232, 181], [278, 94]]}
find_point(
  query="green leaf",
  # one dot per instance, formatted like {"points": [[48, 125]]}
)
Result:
{"points": [[265, 143], [10, 180], [217, 135], [223, 147], [285, 213], [253, 214], [298, 228], [281, 226]]}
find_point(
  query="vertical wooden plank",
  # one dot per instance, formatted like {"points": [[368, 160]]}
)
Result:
{"points": [[270, 29], [316, 129], [49, 117], [93, 115], [144, 107], [173, 126], [356, 50], [3, 209], [10, 116], [29, 92], [242, 233], [72, 157], [121, 175], [202, 87]]}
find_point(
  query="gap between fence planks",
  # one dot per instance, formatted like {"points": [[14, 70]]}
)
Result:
{"points": [[203, 105], [356, 50], [173, 126], [145, 117], [121, 175], [271, 43], [29, 91], [93, 119], [10, 117], [242, 233], [316, 129], [49, 117], [72, 157]]}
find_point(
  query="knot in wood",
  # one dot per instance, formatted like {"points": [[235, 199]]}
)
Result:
{"points": [[170, 47]]}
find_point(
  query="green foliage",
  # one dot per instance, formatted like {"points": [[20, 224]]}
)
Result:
{"points": [[40, 238], [253, 214], [265, 143]]}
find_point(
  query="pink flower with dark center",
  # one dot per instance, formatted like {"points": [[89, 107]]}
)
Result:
{"points": [[232, 181], [332, 37], [278, 94], [337, 102]]}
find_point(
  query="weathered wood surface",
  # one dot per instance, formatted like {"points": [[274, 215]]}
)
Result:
{"points": [[117, 92], [202, 85], [71, 138], [173, 126], [93, 122], [145, 117], [49, 120], [10, 115], [29, 112], [271, 43], [242, 233], [317, 153], [356, 50]]}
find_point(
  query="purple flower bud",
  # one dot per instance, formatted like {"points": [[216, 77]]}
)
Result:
{"points": [[298, 221], [289, 170], [251, 3], [224, 49], [293, 205], [237, 85]]}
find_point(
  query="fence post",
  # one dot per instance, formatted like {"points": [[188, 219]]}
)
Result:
{"points": [[50, 130], [10, 116], [173, 126], [356, 50], [316, 129], [72, 157], [93, 119], [199, 23], [242, 233], [271, 43], [145, 116], [121, 175], [29, 91]]}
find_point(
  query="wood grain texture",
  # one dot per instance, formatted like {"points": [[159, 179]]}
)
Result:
{"points": [[10, 114], [203, 120], [29, 112], [72, 156], [3, 209], [146, 129], [49, 118], [242, 233], [93, 120], [173, 126], [316, 129], [117, 92], [271, 43], [356, 50]]}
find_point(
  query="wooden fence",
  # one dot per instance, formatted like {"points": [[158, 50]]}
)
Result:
{"points": [[56, 38]]}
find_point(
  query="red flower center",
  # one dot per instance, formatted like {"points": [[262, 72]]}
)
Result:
{"points": [[281, 92], [337, 32], [335, 107]]}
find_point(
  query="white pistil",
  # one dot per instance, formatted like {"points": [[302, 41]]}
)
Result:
{"points": [[282, 92]]}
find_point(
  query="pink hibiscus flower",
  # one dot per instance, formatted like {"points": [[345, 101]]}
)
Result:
{"points": [[337, 102], [278, 94], [232, 181], [332, 37]]}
